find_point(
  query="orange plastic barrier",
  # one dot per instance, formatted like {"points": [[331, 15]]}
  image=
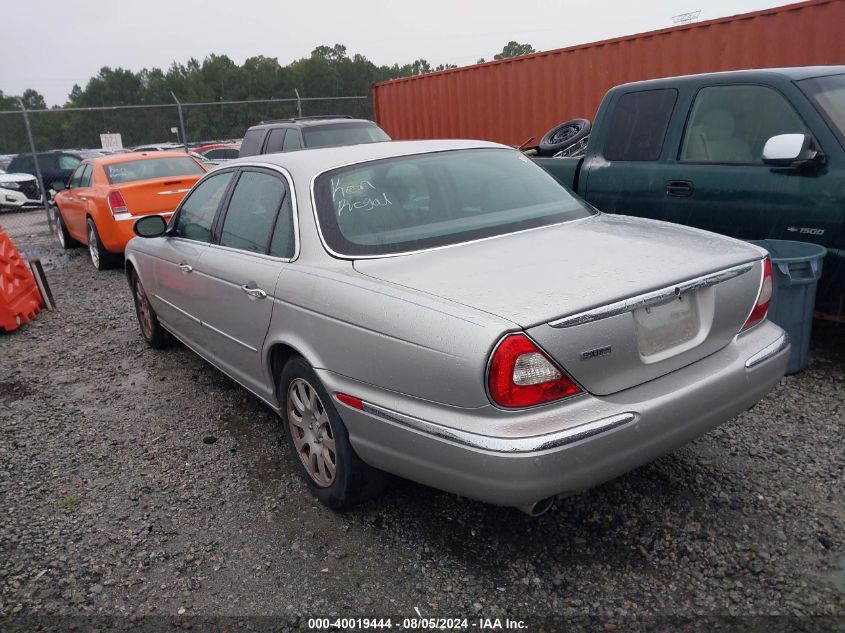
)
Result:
{"points": [[20, 299]]}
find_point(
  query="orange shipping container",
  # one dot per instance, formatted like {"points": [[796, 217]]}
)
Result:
{"points": [[512, 99]]}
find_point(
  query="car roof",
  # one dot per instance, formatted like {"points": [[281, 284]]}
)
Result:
{"points": [[309, 122], [307, 162], [111, 159], [796, 73]]}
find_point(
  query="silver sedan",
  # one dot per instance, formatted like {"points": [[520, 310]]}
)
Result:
{"points": [[447, 312]]}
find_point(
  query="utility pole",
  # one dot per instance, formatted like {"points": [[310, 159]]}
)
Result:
{"points": [[38, 173], [181, 122]]}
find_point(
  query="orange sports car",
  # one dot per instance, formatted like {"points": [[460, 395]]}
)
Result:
{"points": [[104, 196]]}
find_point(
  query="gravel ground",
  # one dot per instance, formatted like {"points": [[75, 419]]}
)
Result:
{"points": [[112, 504]]}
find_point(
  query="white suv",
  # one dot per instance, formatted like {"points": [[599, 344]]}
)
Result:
{"points": [[19, 192]]}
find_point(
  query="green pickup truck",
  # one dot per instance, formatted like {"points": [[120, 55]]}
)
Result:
{"points": [[753, 154]]}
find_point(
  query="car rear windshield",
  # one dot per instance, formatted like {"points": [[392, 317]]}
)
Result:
{"points": [[343, 134], [149, 168], [410, 203], [829, 95]]}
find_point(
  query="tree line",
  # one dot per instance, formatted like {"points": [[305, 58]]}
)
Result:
{"points": [[328, 71]]}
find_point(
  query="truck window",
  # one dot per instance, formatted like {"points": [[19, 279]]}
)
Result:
{"points": [[251, 144], [291, 141], [638, 125], [731, 124], [274, 141], [828, 93]]}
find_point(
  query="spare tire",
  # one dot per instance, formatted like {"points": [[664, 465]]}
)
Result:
{"points": [[563, 135]]}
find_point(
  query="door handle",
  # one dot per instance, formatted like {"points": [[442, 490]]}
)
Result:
{"points": [[679, 188], [185, 268], [258, 293]]}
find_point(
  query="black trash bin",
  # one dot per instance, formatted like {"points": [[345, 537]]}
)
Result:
{"points": [[797, 267]]}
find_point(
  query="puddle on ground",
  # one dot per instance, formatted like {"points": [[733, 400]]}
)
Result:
{"points": [[12, 390], [261, 442], [837, 575]]}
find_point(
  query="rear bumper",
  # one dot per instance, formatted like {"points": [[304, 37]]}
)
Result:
{"points": [[117, 230], [518, 458]]}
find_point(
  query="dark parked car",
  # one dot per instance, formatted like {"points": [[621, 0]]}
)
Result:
{"points": [[754, 154], [55, 166], [285, 135]]}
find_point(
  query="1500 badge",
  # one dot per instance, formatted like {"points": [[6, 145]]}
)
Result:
{"points": [[803, 230]]}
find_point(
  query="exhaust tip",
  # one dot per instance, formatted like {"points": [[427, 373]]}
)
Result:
{"points": [[538, 508]]}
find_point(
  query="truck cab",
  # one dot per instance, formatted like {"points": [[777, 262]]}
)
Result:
{"points": [[690, 150]]}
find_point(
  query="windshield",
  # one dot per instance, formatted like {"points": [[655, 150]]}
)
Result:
{"points": [[399, 205], [343, 134], [829, 94], [149, 168]]}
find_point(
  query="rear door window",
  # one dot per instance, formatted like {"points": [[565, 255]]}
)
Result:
{"points": [[251, 145], [196, 215], [731, 124], [638, 125], [76, 178], [252, 210], [85, 181], [274, 141]]}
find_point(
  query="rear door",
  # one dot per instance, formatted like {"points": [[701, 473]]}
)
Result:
{"points": [[625, 174], [254, 239], [177, 291], [71, 204]]}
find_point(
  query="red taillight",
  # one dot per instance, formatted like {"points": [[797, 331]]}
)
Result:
{"points": [[521, 375], [764, 296], [350, 401], [116, 203]]}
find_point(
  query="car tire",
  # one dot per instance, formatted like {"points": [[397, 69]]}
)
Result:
{"points": [[563, 135], [151, 330], [100, 257], [65, 240], [335, 475]]}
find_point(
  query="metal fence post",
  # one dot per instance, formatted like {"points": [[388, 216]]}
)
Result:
{"points": [[298, 103], [181, 122], [38, 174]]}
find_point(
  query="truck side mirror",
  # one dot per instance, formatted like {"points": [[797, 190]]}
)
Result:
{"points": [[792, 150]]}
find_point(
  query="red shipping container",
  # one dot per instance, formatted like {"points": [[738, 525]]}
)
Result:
{"points": [[512, 99]]}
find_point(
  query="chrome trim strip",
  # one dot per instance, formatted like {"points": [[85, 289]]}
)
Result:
{"points": [[172, 192], [772, 349], [228, 336], [203, 324], [177, 308], [655, 297], [120, 217], [502, 444]]}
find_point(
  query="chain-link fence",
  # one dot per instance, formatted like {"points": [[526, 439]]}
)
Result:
{"points": [[193, 124]]}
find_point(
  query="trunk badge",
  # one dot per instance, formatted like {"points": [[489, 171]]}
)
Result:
{"points": [[595, 353]]}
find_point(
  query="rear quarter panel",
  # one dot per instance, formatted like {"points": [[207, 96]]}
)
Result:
{"points": [[384, 335]]}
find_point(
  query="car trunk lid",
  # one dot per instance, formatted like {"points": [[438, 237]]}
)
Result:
{"points": [[538, 278], [159, 195]]}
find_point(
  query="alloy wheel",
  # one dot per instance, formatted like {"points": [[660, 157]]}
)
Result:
{"points": [[145, 317], [312, 432], [92, 246]]}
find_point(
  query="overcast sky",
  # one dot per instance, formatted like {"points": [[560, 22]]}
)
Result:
{"points": [[49, 45]]}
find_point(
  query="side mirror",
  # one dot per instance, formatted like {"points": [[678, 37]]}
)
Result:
{"points": [[57, 185], [792, 150], [150, 226]]}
